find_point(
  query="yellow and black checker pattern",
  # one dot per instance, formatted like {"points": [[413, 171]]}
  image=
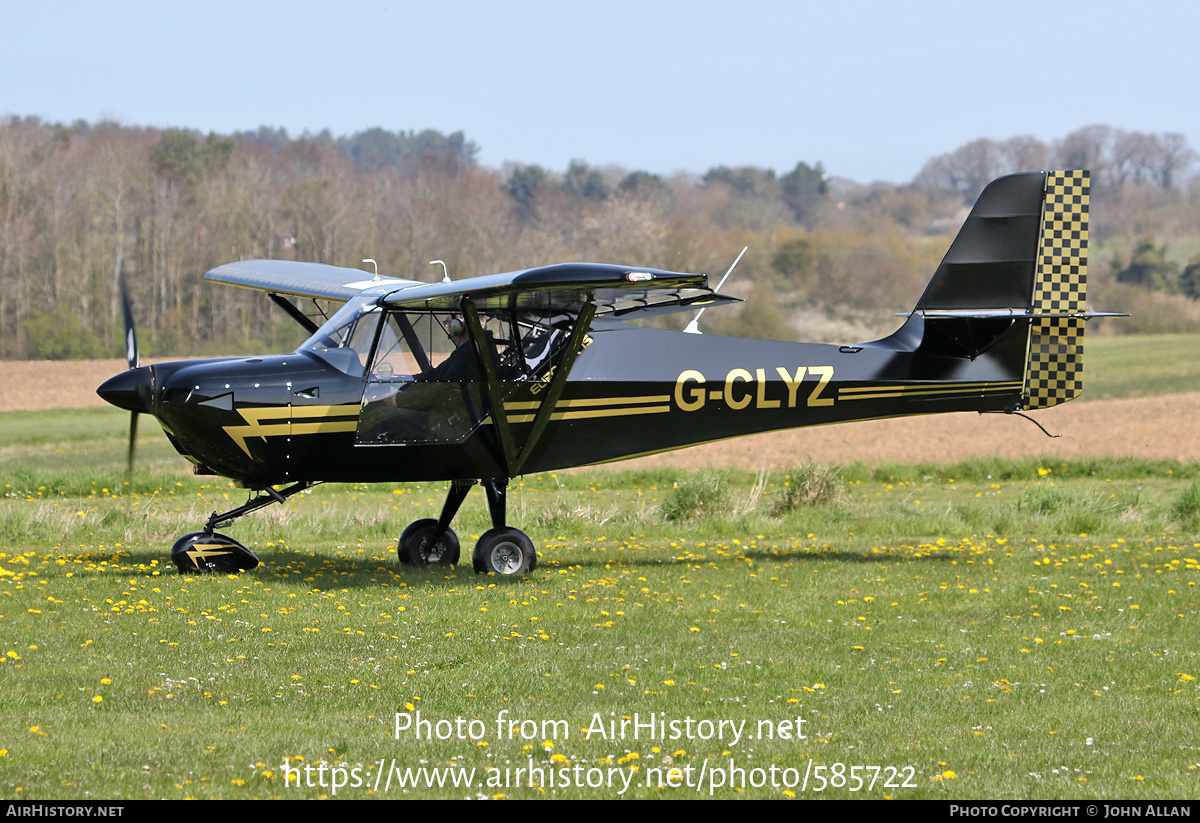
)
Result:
{"points": [[1054, 373]]}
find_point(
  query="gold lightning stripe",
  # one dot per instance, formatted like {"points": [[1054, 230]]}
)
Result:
{"points": [[257, 427], [923, 390], [205, 550], [578, 409]]}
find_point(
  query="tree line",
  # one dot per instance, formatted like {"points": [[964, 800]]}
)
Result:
{"points": [[85, 205], [1115, 158]]}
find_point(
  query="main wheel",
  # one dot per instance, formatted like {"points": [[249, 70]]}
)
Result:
{"points": [[416, 546], [504, 551]]}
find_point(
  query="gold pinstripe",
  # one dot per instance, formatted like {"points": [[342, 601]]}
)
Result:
{"points": [[883, 392], [520, 405], [585, 408], [581, 415]]}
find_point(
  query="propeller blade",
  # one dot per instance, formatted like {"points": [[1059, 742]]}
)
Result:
{"points": [[133, 418], [131, 347]]}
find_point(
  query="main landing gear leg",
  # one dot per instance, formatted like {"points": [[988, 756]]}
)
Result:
{"points": [[210, 551], [501, 549], [432, 542]]}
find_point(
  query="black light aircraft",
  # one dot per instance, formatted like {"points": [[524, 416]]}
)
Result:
{"points": [[488, 378]]}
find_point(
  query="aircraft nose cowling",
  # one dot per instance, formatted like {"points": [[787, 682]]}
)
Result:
{"points": [[131, 390]]}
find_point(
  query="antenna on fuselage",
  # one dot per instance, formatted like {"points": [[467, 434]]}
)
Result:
{"points": [[694, 326], [445, 271], [373, 263]]}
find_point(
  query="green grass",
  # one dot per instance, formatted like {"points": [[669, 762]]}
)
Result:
{"points": [[1138, 365], [71, 439], [955, 625], [990, 629]]}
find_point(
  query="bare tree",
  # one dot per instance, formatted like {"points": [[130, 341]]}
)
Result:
{"points": [[1086, 148], [1023, 153], [1174, 158], [965, 171]]}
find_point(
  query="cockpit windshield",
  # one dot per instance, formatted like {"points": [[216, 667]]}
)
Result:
{"points": [[345, 341]]}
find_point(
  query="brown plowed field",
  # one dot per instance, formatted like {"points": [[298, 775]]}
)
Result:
{"points": [[1148, 427]]}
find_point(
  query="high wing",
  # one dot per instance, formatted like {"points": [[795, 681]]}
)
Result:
{"points": [[315, 280], [565, 288], [555, 304]]}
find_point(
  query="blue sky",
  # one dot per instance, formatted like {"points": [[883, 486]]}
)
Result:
{"points": [[870, 89]]}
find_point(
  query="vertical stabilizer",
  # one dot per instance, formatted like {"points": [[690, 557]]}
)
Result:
{"points": [[1054, 372]]}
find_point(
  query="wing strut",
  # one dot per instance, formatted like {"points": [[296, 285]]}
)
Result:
{"points": [[512, 460], [295, 313], [491, 386], [557, 381]]}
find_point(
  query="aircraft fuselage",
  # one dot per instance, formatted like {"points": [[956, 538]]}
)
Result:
{"points": [[287, 418]]}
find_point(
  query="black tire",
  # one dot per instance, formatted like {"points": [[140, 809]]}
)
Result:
{"points": [[416, 549], [504, 551]]}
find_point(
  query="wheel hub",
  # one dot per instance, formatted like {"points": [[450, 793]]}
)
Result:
{"points": [[432, 552], [506, 558]]}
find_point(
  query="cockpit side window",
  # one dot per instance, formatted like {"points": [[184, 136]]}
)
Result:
{"points": [[393, 359]]}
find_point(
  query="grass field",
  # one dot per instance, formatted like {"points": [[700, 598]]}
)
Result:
{"points": [[1137, 365], [992, 629]]}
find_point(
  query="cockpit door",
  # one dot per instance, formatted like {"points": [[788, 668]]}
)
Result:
{"points": [[423, 385]]}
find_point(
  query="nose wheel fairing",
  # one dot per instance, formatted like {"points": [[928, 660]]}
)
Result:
{"points": [[211, 553]]}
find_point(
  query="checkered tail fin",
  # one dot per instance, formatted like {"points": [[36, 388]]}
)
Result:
{"points": [[1054, 370]]}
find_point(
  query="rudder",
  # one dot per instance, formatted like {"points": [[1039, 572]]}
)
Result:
{"points": [[1054, 368]]}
